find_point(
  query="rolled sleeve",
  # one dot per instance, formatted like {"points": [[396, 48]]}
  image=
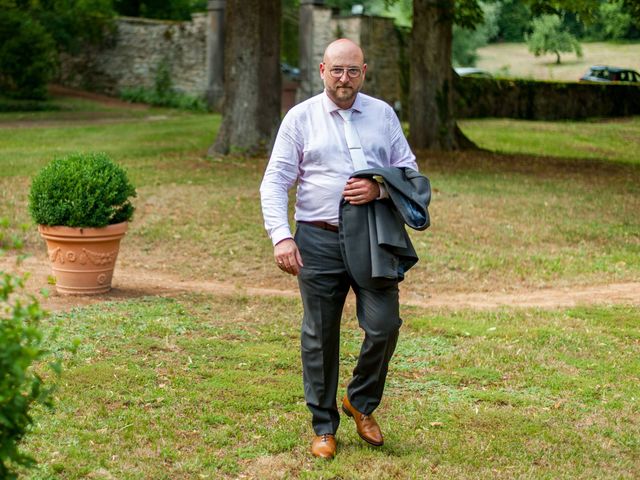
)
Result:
{"points": [[401, 154], [281, 174]]}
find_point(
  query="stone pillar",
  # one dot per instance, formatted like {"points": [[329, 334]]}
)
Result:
{"points": [[215, 54], [307, 48]]}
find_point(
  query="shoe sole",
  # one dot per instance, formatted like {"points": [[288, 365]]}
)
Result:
{"points": [[349, 414]]}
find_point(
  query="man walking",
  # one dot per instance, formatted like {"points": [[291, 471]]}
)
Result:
{"points": [[320, 144]]}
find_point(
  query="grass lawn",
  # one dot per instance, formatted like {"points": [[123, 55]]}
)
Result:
{"points": [[515, 60], [210, 387], [197, 386], [613, 140], [201, 218]]}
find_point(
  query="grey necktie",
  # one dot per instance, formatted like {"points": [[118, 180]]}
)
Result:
{"points": [[353, 141]]}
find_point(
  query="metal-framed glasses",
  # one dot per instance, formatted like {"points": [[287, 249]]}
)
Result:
{"points": [[352, 72]]}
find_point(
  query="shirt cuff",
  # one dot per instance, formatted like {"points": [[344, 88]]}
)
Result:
{"points": [[280, 234], [383, 192]]}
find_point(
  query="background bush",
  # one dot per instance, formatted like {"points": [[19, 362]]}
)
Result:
{"points": [[81, 190], [33, 33], [543, 100], [163, 94], [26, 56]]}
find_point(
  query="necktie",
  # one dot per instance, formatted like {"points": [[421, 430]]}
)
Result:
{"points": [[353, 141]]}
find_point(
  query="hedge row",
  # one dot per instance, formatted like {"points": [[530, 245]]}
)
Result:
{"points": [[543, 100]]}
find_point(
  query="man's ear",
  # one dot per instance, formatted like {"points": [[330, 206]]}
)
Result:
{"points": [[322, 68]]}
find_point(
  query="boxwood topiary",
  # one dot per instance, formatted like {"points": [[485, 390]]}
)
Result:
{"points": [[81, 190]]}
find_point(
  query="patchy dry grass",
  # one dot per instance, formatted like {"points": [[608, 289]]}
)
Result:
{"points": [[500, 221], [210, 387], [515, 60]]}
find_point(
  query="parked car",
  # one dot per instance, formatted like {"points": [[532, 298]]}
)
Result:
{"points": [[608, 74], [472, 72], [289, 72]]}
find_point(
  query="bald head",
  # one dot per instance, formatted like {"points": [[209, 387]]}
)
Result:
{"points": [[342, 71], [343, 48]]}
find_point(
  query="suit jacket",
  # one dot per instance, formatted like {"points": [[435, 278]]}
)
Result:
{"points": [[375, 245]]}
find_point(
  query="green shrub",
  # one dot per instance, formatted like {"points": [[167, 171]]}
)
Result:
{"points": [[20, 387], [173, 99], [81, 190], [163, 94], [27, 55], [21, 345]]}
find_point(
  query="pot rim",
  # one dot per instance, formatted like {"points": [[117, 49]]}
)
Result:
{"points": [[64, 231]]}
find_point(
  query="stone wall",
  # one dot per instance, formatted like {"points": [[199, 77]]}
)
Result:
{"points": [[131, 57]]}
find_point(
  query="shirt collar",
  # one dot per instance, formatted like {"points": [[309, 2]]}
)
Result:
{"points": [[332, 107]]}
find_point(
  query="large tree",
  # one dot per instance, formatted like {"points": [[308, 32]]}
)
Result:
{"points": [[252, 83], [432, 122]]}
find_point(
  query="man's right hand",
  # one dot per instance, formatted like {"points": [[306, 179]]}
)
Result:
{"points": [[288, 256]]}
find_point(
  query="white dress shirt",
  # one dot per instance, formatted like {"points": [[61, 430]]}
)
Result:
{"points": [[310, 148]]}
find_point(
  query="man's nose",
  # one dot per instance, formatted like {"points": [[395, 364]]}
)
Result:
{"points": [[345, 74]]}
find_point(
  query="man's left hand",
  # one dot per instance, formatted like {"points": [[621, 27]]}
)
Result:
{"points": [[359, 191]]}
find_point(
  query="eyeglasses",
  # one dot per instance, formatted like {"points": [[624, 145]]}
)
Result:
{"points": [[352, 72]]}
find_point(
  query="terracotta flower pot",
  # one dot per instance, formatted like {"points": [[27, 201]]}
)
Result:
{"points": [[83, 259]]}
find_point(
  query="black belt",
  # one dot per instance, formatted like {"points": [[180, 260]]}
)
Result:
{"points": [[322, 225]]}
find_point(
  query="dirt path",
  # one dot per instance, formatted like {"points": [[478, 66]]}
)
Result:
{"points": [[129, 283]]}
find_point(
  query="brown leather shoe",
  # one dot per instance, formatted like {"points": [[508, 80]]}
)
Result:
{"points": [[366, 425], [324, 446]]}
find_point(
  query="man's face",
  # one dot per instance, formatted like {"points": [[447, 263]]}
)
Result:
{"points": [[347, 61]]}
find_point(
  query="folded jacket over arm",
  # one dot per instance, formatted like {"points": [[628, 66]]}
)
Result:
{"points": [[373, 238]]}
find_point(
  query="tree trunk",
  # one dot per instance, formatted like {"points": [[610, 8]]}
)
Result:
{"points": [[557, 57], [252, 83], [432, 123]]}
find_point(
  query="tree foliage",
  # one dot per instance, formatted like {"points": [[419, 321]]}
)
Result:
{"points": [[616, 21], [74, 24], [26, 56], [513, 20], [466, 41], [289, 32], [161, 9], [549, 36], [34, 32]]}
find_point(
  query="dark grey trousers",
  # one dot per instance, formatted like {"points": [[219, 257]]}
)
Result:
{"points": [[324, 283]]}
